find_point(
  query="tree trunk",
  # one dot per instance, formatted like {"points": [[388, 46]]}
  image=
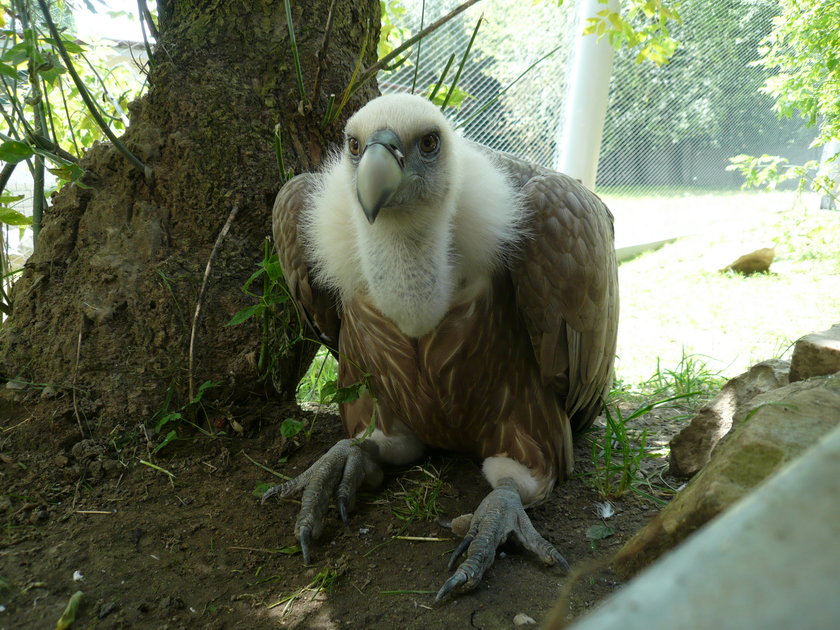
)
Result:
{"points": [[105, 305]]}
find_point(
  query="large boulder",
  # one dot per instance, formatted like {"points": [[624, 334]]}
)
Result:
{"points": [[692, 447], [775, 428], [816, 354]]}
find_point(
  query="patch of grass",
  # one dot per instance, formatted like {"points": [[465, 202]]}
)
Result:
{"points": [[691, 379], [417, 498], [618, 454], [676, 304], [169, 420], [323, 370], [324, 581]]}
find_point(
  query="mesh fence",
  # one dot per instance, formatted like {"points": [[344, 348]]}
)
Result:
{"points": [[518, 58], [669, 127]]}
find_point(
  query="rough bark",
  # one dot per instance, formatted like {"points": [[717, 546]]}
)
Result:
{"points": [[105, 304]]}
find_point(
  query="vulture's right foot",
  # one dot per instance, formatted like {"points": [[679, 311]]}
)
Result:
{"points": [[338, 473]]}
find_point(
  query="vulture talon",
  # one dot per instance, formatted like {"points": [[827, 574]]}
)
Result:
{"points": [[304, 539], [459, 551], [500, 514], [339, 472], [451, 584]]}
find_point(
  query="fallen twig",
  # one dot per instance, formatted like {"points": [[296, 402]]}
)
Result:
{"points": [[200, 299]]}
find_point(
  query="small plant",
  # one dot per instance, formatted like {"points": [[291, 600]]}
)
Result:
{"points": [[617, 461], [274, 292], [170, 419], [313, 387], [691, 380], [324, 581], [418, 496]]}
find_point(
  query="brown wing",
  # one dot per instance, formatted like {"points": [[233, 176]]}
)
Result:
{"points": [[567, 286], [316, 305]]}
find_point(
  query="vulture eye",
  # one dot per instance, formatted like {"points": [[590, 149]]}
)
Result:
{"points": [[429, 143], [353, 146]]}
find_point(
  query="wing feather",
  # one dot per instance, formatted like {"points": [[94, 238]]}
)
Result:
{"points": [[318, 306], [567, 286]]}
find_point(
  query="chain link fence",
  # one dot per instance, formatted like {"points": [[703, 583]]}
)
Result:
{"points": [[667, 128]]}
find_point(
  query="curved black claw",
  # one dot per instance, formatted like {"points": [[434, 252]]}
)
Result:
{"points": [[500, 514], [339, 472]]}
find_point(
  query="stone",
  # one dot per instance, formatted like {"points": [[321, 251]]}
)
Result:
{"points": [[758, 261], [521, 619], [817, 354], [692, 447], [770, 563], [771, 430]]}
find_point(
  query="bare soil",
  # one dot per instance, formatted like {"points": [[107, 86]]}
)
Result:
{"points": [[198, 550]]}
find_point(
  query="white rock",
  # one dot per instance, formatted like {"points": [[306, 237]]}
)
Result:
{"points": [[522, 619]]}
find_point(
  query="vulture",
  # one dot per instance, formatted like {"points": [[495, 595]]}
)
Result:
{"points": [[477, 296]]}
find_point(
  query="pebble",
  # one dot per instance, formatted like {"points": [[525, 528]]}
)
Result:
{"points": [[522, 619]]}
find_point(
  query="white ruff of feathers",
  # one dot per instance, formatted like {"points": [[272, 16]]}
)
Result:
{"points": [[413, 263]]}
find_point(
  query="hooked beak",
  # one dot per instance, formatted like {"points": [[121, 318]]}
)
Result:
{"points": [[380, 172]]}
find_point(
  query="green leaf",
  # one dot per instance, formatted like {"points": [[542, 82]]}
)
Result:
{"points": [[8, 71], [69, 173], [273, 269], [260, 489], [13, 151], [70, 46], [13, 217], [599, 532], [331, 393], [173, 434], [68, 617], [16, 55], [201, 389], [290, 427], [7, 198], [171, 416], [251, 279], [244, 314]]}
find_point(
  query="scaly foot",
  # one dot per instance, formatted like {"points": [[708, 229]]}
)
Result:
{"points": [[499, 514], [339, 472]]}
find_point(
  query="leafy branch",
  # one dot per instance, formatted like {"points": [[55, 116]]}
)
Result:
{"points": [[644, 26], [86, 97]]}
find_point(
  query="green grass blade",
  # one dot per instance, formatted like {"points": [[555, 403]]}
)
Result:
{"points": [[295, 54], [462, 64], [442, 77]]}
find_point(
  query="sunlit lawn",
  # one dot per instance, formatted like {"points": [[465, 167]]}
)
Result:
{"points": [[675, 300]]}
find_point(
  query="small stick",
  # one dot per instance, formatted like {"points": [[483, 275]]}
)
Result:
{"points": [[201, 292], [75, 372], [321, 55], [369, 72]]}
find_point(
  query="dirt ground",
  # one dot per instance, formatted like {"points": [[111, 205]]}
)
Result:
{"points": [[197, 549]]}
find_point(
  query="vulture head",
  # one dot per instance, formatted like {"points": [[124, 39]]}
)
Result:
{"points": [[409, 213], [406, 165]]}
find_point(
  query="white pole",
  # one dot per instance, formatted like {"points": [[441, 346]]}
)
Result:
{"points": [[579, 141]]}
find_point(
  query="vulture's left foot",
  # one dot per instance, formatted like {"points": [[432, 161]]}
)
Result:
{"points": [[338, 473], [499, 514]]}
